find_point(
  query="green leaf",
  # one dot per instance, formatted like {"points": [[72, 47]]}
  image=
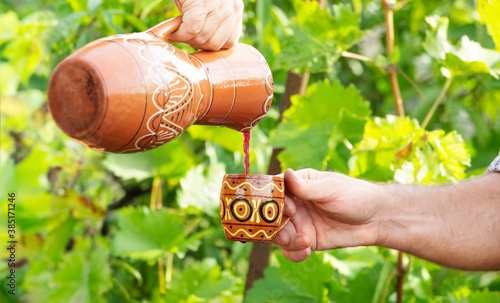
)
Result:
{"points": [[436, 37], [60, 228], [303, 148], [397, 148], [316, 38], [93, 5], [484, 296], [452, 154], [374, 157], [7, 168], [228, 138], [360, 289], [468, 57], [293, 282], [146, 234], [471, 58], [200, 189], [9, 24], [350, 261], [171, 161], [317, 122], [83, 276], [489, 12], [200, 281]]}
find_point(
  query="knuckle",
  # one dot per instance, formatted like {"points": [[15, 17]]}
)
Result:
{"points": [[193, 28], [225, 11], [238, 5], [200, 40]]}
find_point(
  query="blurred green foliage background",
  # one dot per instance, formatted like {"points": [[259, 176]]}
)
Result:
{"points": [[88, 225]]}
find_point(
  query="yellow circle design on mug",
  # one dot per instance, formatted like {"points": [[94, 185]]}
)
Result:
{"points": [[269, 211], [241, 209]]}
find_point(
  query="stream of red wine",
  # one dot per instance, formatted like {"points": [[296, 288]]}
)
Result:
{"points": [[246, 146]]}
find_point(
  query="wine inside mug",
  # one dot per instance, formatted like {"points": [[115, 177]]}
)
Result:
{"points": [[251, 207]]}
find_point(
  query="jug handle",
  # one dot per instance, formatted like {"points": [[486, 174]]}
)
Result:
{"points": [[165, 28]]}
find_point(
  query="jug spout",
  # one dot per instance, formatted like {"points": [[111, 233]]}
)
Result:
{"points": [[134, 92]]}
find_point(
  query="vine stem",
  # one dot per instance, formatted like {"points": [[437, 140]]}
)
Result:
{"points": [[393, 76], [389, 39], [401, 278], [398, 69], [412, 83], [356, 56], [156, 204], [386, 286], [437, 102]]}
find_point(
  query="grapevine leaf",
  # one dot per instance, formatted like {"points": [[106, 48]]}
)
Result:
{"points": [[316, 38], [293, 282], [436, 37], [489, 12], [471, 58], [146, 234], [229, 139], [360, 289], [83, 276], [350, 261], [201, 280], [93, 5], [384, 141], [303, 148], [466, 58], [200, 188], [7, 168], [170, 161], [397, 148], [484, 296], [452, 154], [317, 122]]}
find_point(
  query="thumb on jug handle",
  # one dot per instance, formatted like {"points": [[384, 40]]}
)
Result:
{"points": [[165, 28]]}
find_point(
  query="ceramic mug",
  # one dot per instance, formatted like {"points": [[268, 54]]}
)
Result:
{"points": [[251, 207]]}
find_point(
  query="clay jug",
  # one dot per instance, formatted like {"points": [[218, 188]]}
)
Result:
{"points": [[134, 92]]}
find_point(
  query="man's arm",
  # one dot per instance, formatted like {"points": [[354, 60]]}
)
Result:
{"points": [[456, 225], [453, 225]]}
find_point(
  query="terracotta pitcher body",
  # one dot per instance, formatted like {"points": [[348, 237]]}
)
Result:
{"points": [[134, 92]]}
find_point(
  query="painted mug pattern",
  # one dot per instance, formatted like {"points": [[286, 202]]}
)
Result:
{"points": [[251, 207]]}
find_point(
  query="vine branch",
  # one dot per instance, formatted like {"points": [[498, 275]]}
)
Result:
{"points": [[398, 69], [412, 83], [437, 102], [356, 56], [389, 38], [156, 204]]}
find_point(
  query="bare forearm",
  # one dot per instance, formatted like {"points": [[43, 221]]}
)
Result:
{"points": [[456, 226]]}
